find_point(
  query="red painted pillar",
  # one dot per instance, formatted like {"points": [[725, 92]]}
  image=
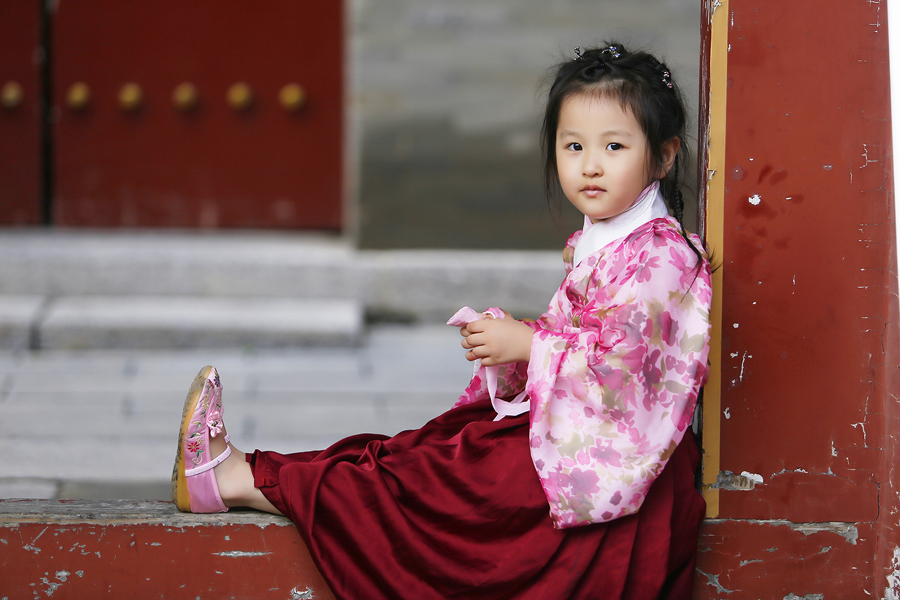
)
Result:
{"points": [[801, 210]]}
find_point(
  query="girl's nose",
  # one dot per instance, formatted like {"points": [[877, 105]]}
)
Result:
{"points": [[592, 166]]}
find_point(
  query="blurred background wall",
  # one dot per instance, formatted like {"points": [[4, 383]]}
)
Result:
{"points": [[447, 98], [399, 123]]}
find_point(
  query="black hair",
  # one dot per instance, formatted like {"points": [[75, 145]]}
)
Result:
{"points": [[645, 87]]}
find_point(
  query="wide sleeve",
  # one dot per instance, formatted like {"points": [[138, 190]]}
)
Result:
{"points": [[613, 388]]}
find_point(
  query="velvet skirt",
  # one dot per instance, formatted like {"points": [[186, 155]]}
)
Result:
{"points": [[455, 510]]}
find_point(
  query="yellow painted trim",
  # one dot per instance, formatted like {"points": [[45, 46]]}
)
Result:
{"points": [[715, 235]]}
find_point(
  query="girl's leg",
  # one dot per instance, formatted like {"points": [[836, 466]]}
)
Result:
{"points": [[235, 479]]}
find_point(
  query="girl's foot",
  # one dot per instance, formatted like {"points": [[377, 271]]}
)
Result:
{"points": [[194, 487], [208, 476]]}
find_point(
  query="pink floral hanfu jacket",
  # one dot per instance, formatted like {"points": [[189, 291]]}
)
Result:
{"points": [[616, 364]]}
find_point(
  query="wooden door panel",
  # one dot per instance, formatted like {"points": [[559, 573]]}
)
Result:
{"points": [[211, 165], [20, 112]]}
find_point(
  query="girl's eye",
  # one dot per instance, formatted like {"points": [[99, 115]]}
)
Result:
{"points": [[573, 146], [614, 146]]}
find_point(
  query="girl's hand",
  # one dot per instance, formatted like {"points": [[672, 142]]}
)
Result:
{"points": [[497, 341]]}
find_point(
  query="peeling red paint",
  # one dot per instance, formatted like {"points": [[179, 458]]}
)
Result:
{"points": [[806, 497], [152, 550], [752, 559]]}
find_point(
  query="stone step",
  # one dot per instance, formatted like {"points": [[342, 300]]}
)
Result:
{"points": [[412, 285], [87, 322]]}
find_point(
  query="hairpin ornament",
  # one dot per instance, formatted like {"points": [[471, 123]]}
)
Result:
{"points": [[578, 53], [667, 79], [611, 50]]}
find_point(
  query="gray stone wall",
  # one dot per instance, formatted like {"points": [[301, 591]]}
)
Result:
{"points": [[446, 104]]}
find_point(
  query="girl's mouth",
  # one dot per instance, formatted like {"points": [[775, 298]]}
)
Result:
{"points": [[592, 191]]}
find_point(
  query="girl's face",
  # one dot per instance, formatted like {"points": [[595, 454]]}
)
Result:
{"points": [[601, 156]]}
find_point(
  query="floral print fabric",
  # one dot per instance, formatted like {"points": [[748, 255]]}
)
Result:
{"points": [[616, 364]]}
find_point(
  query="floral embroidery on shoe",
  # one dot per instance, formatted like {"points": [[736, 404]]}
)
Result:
{"points": [[210, 419], [194, 443]]}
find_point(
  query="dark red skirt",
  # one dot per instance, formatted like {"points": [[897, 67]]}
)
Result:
{"points": [[456, 510]]}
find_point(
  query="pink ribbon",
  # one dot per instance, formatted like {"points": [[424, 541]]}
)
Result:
{"points": [[518, 405]]}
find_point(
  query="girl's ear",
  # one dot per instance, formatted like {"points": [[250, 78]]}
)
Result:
{"points": [[669, 151]]}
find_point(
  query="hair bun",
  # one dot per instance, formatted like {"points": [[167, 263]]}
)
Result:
{"points": [[597, 63]]}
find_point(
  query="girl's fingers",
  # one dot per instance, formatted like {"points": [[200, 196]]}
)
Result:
{"points": [[475, 353], [476, 326], [478, 353], [473, 340]]}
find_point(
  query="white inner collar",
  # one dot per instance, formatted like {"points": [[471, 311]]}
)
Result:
{"points": [[648, 206]]}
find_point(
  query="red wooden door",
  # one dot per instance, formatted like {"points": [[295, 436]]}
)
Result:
{"points": [[179, 114], [20, 112]]}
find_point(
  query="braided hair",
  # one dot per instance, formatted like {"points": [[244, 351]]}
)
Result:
{"points": [[644, 86]]}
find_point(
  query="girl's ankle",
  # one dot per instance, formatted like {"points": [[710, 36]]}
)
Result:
{"points": [[230, 478]]}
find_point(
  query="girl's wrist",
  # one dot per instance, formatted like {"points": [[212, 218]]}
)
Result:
{"points": [[527, 340]]}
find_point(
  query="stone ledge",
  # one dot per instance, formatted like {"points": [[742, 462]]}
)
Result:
{"points": [[125, 512], [114, 548]]}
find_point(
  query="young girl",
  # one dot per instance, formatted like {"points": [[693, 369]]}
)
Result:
{"points": [[564, 470]]}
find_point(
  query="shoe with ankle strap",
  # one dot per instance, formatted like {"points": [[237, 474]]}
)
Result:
{"points": [[194, 486]]}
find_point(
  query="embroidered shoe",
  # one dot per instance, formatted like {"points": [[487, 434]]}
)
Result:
{"points": [[194, 486]]}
